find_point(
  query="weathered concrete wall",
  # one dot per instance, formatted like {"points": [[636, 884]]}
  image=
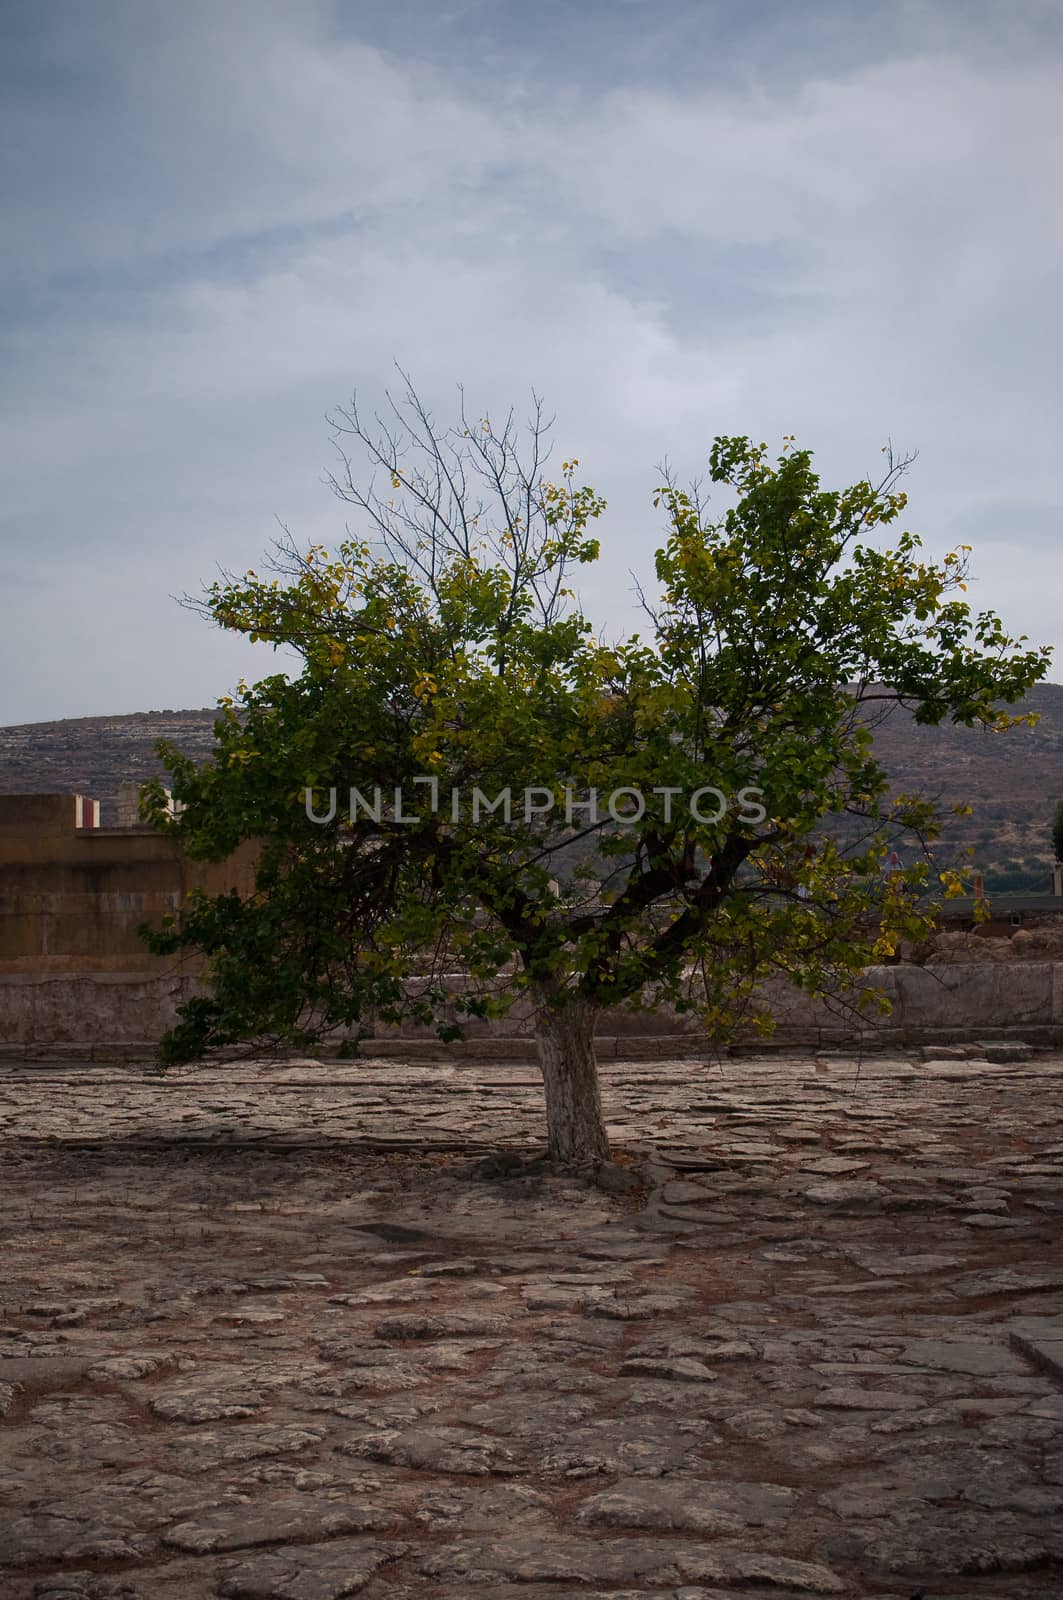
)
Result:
{"points": [[122, 1014], [88, 1013], [960, 1001], [73, 895]]}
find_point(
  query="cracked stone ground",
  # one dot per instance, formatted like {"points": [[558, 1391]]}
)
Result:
{"points": [[291, 1333]]}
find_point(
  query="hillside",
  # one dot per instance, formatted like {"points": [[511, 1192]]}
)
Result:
{"points": [[93, 755], [1013, 781]]}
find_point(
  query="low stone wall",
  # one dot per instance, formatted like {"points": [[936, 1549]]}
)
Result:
{"points": [[87, 1014], [962, 1002], [107, 1015]]}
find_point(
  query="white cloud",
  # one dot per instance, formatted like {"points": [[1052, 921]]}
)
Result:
{"points": [[248, 212]]}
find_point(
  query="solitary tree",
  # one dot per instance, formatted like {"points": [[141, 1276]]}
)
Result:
{"points": [[466, 798]]}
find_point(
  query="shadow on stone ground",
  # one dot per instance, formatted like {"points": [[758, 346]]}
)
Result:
{"points": [[296, 1333]]}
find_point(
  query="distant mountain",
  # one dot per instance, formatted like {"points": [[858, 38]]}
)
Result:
{"points": [[93, 755], [1013, 781]]}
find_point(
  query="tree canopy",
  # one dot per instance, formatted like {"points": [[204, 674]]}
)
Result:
{"points": [[469, 798]]}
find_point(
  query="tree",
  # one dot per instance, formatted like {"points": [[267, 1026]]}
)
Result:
{"points": [[467, 798], [1057, 832]]}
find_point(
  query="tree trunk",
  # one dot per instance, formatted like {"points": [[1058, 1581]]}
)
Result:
{"points": [[564, 1033]]}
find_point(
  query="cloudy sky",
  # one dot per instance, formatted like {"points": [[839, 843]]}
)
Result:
{"points": [[673, 218]]}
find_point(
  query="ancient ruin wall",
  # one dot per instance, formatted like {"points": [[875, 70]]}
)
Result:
{"points": [[121, 1014], [72, 894], [75, 979]]}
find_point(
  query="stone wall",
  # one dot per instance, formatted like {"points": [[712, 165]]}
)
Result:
{"points": [[122, 1014], [72, 894], [87, 1014], [75, 979]]}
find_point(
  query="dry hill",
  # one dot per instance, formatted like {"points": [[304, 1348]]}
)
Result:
{"points": [[1013, 781]]}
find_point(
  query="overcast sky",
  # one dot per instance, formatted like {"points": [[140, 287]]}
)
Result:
{"points": [[673, 218]]}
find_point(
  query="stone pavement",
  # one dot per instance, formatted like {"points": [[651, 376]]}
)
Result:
{"points": [[299, 1332]]}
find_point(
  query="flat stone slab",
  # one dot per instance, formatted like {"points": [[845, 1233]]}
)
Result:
{"points": [[1014, 1283], [851, 1399], [308, 1572], [1041, 1342], [679, 1369], [1007, 1051], [975, 1357], [845, 1192], [297, 1518], [694, 1507], [957, 1070], [645, 1562]]}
